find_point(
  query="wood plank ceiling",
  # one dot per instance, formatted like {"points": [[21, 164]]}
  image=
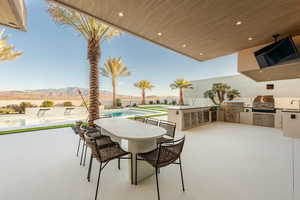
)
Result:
{"points": [[200, 29], [13, 14]]}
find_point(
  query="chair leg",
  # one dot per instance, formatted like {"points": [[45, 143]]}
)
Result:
{"points": [[157, 186], [90, 168], [131, 157], [119, 163], [79, 143], [82, 151], [85, 155], [182, 182], [98, 181], [136, 168]]}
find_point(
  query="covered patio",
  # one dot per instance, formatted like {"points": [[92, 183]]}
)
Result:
{"points": [[220, 161], [227, 161]]}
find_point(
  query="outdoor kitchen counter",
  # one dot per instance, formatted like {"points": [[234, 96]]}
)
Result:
{"points": [[188, 107], [291, 123], [282, 118], [187, 117], [291, 110]]}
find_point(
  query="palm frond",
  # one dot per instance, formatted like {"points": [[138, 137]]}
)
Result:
{"points": [[181, 83], [88, 27], [7, 52], [114, 67], [144, 84]]}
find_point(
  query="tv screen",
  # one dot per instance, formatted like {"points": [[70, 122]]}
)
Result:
{"points": [[276, 53]]}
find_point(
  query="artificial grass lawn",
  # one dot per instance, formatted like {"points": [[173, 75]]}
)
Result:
{"points": [[23, 130], [155, 108], [147, 116], [34, 129]]}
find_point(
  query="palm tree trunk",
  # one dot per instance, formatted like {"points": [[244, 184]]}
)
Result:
{"points": [[214, 101], [219, 97], [114, 91], [93, 56], [181, 97], [143, 97]]}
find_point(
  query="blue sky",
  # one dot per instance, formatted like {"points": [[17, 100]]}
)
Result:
{"points": [[55, 57]]}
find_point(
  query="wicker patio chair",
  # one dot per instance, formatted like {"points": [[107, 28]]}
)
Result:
{"points": [[95, 133], [105, 154], [140, 119], [164, 155], [170, 127], [76, 129], [102, 141], [152, 121]]}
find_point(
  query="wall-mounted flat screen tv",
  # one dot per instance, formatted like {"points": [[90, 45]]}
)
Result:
{"points": [[276, 53]]}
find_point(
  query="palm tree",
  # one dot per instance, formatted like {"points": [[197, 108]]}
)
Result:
{"points": [[114, 68], [220, 89], [143, 85], [218, 92], [7, 52], [232, 94], [95, 34], [181, 84]]}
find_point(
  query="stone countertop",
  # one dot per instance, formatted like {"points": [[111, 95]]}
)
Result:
{"points": [[291, 110], [187, 107]]}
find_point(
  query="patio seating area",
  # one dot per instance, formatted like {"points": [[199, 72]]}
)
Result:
{"points": [[220, 161]]}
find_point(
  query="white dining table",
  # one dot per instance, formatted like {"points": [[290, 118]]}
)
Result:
{"points": [[141, 138]]}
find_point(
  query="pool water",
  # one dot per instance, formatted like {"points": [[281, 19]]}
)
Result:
{"points": [[126, 113], [22, 120]]}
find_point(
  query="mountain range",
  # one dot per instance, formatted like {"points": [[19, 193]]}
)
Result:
{"points": [[67, 93]]}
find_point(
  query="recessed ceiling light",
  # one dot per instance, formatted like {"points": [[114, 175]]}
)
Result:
{"points": [[121, 14], [184, 45], [201, 54], [238, 23], [159, 34], [260, 71], [250, 38]]}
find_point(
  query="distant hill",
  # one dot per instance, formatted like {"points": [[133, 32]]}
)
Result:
{"points": [[55, 94]]}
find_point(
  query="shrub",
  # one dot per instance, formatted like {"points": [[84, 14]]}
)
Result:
{"points": [[47, 104], [68, 103], [24, 105], [5, 110], [174, 102], [15, 108], [151, 102], [134, 105], [119, 102], [157, 101], [165, 101]]}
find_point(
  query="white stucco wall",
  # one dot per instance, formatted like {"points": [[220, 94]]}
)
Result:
{"points": [[284, 90]]}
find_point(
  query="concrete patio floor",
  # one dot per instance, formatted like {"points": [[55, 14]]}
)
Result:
{"points": [[221, 161]]}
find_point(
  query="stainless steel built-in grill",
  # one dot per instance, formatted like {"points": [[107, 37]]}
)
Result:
{"points": [[263, 111], [264, 104]]}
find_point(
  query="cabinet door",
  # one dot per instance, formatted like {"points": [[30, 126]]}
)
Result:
{"points": [[214, 116], [194, 117], [266, 120], [206, 116], [245, 118], [186, 120], [200, 117], [232, 117]]}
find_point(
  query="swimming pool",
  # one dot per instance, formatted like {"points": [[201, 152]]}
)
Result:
{"points": [[23, 120]]}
